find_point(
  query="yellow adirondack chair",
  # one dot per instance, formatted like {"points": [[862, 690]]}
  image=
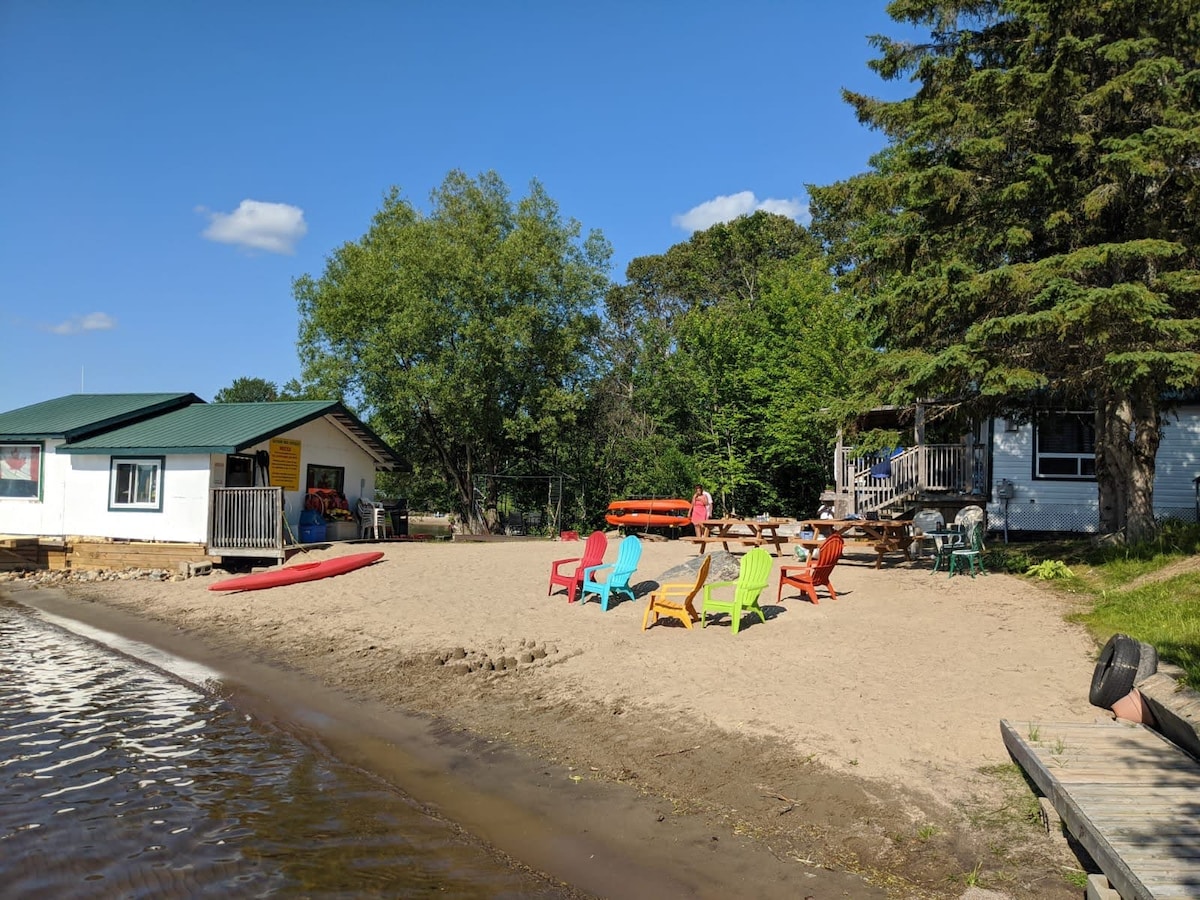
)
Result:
{"points": [[675, 600], [752, 579]]}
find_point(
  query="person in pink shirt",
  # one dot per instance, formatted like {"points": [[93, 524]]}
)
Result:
{"points": [[701, 507]]}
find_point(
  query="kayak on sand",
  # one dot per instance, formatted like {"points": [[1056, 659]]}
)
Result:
{"points": [[297, 573]]}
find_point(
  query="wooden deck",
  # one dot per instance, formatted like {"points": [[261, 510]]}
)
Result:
{"points": [[1127, 794]]}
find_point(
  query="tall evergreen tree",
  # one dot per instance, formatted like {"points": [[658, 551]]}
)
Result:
{"points": [[1031, 228]]}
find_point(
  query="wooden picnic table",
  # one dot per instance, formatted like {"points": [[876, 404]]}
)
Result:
{"points": [[747, 532], [887, 535]]}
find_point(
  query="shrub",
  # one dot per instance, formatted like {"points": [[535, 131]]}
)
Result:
{"points": [[1050, 569], [1012, 562]]}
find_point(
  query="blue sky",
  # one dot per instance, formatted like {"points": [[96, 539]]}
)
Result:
{"points": [[167, 168]]}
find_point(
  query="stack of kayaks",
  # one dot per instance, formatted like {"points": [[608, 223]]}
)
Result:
{"points": [[648, 513]]}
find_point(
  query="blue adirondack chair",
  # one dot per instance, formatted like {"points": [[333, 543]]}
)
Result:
{"points": [[628, 555]]}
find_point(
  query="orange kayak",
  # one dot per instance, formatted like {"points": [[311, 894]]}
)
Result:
{"points": [[648, 513]]}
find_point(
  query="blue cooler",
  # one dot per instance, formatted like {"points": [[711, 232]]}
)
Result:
{"points": [[312, 527]]}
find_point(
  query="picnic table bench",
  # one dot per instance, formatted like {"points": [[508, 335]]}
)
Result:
{"points": [[884, 535], [747, 532], [728, 539]]}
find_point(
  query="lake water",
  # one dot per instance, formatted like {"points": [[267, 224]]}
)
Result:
{"points": [[120, 779]]}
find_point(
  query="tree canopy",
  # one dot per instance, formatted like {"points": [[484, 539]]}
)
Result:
{"points": [[728, 361], [466, 333], [247, 390], [1029, 233]]}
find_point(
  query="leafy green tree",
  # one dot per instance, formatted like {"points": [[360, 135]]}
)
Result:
{"points": [[465, 333], [1030, 230], [259, 390], [770, 379], [248, 390], [732, 349]]}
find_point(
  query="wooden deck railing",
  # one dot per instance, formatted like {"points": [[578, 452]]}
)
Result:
{"points": [[246, 522], [915, 472]]}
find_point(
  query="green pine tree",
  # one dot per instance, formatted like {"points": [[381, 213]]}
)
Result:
{"points": [[1029, 233]]}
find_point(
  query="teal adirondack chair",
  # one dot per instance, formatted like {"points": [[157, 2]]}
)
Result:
{"points": [[628, 555], [752, 579]]}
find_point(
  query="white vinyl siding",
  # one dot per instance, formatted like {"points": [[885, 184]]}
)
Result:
{"points": [[1070, 504]]}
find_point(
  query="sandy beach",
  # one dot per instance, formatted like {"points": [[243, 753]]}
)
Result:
{"points": [[858, 737]]}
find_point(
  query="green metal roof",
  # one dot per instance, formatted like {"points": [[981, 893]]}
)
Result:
{"points": [[78, 416], [229, 428]]}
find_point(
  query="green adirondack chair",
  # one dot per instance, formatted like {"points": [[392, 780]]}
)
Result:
{"points": [[753, 576]]}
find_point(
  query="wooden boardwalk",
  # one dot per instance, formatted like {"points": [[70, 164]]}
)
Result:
{"points": [[1127, 794]]}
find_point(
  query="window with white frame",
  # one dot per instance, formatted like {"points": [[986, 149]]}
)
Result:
{"points": [[1065, 445], [136, 483]]}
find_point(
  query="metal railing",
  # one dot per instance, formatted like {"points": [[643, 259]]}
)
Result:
{"points": [[246, 522]]}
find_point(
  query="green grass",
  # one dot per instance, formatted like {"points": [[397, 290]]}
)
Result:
{"points": [[1165, 613], [1076, 877]]}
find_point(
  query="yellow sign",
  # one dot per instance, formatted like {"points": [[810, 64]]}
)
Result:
{"points": [[285, 464]]}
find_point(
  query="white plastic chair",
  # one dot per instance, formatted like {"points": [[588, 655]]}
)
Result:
{"points": [[925, 521], [374, 518]]}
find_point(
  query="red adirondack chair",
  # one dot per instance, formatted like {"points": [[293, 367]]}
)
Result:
{"points": [[593, 555], [813, 574]]}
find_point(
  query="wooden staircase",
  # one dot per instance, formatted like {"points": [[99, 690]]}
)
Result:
{"points": [[924, 475]]}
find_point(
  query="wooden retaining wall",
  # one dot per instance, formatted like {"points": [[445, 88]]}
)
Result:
{"points": [[18, 554], [133, 555], [82, 554]]}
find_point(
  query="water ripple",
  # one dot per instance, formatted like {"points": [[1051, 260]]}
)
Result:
{"points": [[117, 780]]}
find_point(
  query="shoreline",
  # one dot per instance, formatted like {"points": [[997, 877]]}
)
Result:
{"points": [[711, 750], [505, 798]]}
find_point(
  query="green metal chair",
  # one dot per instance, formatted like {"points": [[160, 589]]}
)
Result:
{"points": [[970, 555], [753, 575], [944, 549], [964, 521]]}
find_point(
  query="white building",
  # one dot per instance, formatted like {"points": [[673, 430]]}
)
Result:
{"points": [[167, 467]]}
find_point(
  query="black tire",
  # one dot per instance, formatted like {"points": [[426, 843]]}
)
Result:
{"points": [[1147, 664], [1115, 671]]}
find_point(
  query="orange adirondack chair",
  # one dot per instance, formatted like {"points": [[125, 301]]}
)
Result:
{"points": [[813, 574], [593, 555]]}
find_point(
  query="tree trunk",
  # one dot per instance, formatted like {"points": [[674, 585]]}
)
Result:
{"points": [[1112, 465], [1128, 431], [1144, 439]]}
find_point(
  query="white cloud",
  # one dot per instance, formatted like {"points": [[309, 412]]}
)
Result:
{"points": [[96, 321], [727, 208], [274, 227]]}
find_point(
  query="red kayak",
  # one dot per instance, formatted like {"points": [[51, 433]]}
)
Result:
{"points": [[297, 573]]}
